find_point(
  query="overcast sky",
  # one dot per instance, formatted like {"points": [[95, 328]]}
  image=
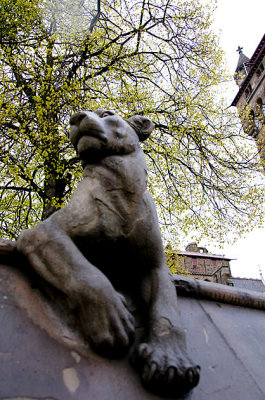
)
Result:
{"points": [[241, 23]]}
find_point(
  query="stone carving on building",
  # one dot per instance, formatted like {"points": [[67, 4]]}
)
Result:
{"points": [[103, 251]]}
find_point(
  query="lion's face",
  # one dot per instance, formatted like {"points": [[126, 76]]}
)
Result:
{"points": [[101, 133]]}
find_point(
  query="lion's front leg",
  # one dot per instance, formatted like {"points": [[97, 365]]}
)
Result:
{"points": [[103, 312], [105, 318], [161, 359]]}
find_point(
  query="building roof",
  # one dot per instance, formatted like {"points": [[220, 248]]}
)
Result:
{"points": [[203, 255], [250, 284], [252, 64]]}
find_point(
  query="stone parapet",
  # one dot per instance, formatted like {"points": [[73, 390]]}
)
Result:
{"points": [[43, 358]]}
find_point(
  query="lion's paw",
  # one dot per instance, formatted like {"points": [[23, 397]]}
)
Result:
{"points": [[108, 323], [165, 371]]}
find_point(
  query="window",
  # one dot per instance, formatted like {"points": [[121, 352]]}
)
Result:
{"points": [[261, 107], [194, 262], [260, 69], [259, 114], [248, 90], [254, 124], [257, 122]]}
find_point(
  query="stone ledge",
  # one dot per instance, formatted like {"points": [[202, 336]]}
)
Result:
{"points": [[43, 358], [216, 292]]}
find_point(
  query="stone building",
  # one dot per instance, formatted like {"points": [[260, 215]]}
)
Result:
{"points": [[214, 268], [204, 265], [250, 99]]}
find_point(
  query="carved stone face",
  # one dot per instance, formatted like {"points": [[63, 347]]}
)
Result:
{"points": [[102, 133]]}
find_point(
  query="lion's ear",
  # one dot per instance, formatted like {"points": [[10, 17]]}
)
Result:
{"points": [[142, 125]]}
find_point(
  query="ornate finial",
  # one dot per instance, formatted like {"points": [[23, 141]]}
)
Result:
{"points": [[240, 49]]}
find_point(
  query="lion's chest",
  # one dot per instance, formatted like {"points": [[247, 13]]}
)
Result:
{"points": [[108, 203]]}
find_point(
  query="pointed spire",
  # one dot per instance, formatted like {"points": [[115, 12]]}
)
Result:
{"points": [[242, 67], [242, 61]]}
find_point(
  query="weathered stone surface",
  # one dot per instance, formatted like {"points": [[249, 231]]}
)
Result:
{"points": [[43, 359], [85, 250], [221, 293]]}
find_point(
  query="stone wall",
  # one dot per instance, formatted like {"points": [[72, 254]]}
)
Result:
{"points": [[206, 268], [41, 359]]}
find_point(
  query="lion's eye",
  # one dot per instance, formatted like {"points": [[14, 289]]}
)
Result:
{"points": [[105, 114]]}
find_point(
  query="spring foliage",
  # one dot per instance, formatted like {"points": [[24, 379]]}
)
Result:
{"points": [[154, 57], [174, 263]]}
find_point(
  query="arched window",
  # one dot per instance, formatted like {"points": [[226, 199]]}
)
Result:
{"points": [[248, 90]]}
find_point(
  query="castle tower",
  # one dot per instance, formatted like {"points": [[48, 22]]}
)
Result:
{"points": [[250, 99]]}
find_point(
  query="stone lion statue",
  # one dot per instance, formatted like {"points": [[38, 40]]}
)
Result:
{"points": [[105, 247]]}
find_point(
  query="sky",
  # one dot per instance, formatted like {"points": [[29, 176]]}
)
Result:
{"points": [[241, 23]]}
